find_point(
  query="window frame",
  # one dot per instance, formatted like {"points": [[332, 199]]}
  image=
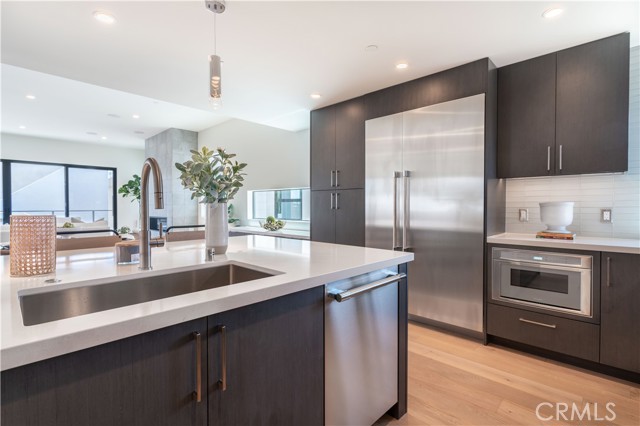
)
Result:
{"points": [[6, 185], [251, 202]]}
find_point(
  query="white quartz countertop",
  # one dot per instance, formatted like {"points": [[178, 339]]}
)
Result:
{"points": [[615, 245], [303, 264]]}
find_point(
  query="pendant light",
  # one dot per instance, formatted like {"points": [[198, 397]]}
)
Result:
{"points": [[215, 75]]}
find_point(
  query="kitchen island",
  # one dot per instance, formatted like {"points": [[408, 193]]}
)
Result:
{"points": [[169, 361]]}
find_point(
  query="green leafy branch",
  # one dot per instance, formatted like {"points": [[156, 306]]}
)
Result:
{"points": [[131, 189], [212, 176]]}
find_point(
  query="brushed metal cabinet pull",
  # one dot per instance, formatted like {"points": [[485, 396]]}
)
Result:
{"points": [[332, 204], [337, 178], [337, 201], [541, 324], [197, 394], [549, 158], [222, 383], [406, 207], [560, 157], [608, 271], [394, 238]]}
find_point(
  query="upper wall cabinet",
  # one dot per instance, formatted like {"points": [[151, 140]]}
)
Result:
{"points": [[565, 113], [527, 117], [337, 146]]}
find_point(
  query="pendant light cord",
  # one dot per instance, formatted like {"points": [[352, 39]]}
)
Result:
{"points": [[215, 37]]}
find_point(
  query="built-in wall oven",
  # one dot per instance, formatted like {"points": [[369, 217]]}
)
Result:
{"points": [[552, 281]]}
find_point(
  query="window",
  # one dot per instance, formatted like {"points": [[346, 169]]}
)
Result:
{"points": [[90, 194], [285, 204], [82, 192]]}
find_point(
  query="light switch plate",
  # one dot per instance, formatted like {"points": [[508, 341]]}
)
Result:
{"points": [[523, 215], [605, 216]]}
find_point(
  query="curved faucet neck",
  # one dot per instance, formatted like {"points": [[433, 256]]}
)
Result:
{"points": [[150, 165]]}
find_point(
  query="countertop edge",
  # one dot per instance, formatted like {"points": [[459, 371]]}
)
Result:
{"points": [[591, 244]]}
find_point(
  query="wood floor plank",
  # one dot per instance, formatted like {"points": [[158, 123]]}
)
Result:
{"points": [[459, 381]]}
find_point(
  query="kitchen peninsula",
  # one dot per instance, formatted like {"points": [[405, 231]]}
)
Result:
{"points": [[228, 354]]}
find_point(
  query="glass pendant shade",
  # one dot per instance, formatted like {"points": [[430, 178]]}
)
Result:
{"points": [[215, 81]]}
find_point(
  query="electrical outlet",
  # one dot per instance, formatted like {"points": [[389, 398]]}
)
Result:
{"points": [[605, 216], [523, 215]]}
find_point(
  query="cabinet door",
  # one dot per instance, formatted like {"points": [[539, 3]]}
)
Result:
{"points": [[323, 147], [593, 107], [620, 299], [526, 118], [349, 213], [323, 222], [271, 357], [143, 380], [350, 144]]}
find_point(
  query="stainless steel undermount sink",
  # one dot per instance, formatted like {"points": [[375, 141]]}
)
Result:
{"points": [[38, 308]]}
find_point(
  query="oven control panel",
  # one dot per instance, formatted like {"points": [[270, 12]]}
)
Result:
{"points": [[544, 258]]}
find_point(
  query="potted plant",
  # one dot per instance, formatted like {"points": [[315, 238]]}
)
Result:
{"points": [[214, 178], [131, 189], [272, 224]]}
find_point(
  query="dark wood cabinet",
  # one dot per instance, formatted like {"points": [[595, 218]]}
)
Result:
{"points": [[620, 301], [148, 379], [323, 218], [575, 338], [337, 146], [350, 144], [565, 113], [266, 362], [338, 216], [592, 107], [526, 124], [350, 217], [323, 147]]}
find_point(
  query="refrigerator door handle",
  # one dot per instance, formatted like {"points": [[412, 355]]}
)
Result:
{"points": [[406, 206], [395, 245]]}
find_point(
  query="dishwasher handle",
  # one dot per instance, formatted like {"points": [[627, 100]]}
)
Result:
{"points": [[348, 294]]}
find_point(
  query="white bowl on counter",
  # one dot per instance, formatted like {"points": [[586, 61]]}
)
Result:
{"points": [[557, 215]]}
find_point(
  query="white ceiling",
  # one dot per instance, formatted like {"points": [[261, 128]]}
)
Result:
{"points": [[275, 54]]}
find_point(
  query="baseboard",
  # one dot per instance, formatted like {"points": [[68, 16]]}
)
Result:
{"points": [[577, 362], [476, 335]]}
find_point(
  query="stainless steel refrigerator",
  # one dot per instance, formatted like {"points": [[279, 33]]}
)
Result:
{"points": [[425, 194]]}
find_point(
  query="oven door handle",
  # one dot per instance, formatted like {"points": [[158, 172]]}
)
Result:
{"points": [[547, 266]]}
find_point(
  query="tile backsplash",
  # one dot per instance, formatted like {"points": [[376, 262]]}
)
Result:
{"points": [[620, 192]]}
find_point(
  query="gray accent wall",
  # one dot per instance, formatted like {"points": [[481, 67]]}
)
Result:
{"points": [[170, 147]]}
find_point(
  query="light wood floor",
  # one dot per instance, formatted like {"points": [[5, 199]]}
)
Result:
{"points": [[456, 381]]}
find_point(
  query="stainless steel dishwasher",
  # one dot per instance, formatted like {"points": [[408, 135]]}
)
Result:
{"points": [[361, 347]]}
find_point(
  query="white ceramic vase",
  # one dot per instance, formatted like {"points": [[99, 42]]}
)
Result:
{"points": [[557, 215], [216, 228]]}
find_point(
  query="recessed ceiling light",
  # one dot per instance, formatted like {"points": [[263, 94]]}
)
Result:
{"points": [[104, 17], [30, 97], [316, 95], [22, 127], [92, 133], [552, 12], [402, 66], [136, 116], [104, 138], [371, 48]]}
